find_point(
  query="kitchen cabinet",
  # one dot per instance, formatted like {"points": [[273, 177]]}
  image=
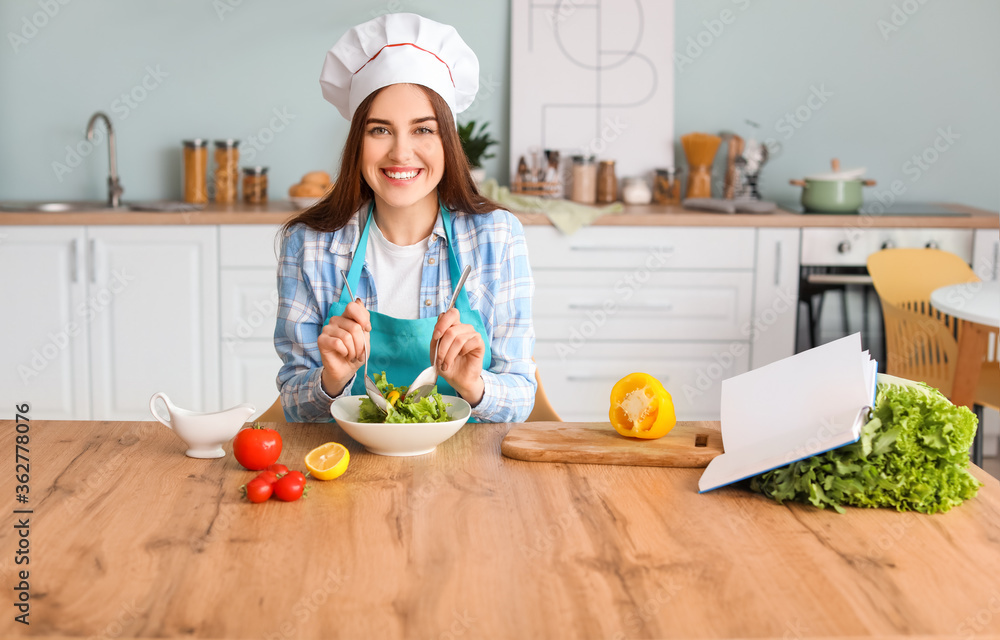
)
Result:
{"points": [[123, 311], [248, 311], [986, 254], [45, 356], [673, 302], [776, 291]]}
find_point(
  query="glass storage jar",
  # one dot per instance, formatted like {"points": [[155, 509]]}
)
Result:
{"points": [[607, 182], [584, 177], [255, 185], [196, 171], [227, 158], [666, 187]]}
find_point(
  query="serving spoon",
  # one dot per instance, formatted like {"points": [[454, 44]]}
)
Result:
{"points": [[426, 379], [370, 387]]}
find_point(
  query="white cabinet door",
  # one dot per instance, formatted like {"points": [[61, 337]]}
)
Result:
{"points": [[249, 370], [43, 327], [776, 293], [249, 306], [156, 326]]}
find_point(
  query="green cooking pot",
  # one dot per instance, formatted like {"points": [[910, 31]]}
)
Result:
{"points": [[836, 192]]}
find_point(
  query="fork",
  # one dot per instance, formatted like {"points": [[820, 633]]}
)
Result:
{"points": [[370, 387]]}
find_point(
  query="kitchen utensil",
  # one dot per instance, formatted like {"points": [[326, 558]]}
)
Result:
{"points": [[404, 439], [734, 149], [203, 433], [835, 192], [700, 150], [689, 444], [425, 381], [370, 387]]}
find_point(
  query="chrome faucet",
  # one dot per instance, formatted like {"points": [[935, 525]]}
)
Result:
{"points": [[114, 185]]}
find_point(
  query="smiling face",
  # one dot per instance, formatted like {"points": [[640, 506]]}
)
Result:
{"points": [[402, 158]]}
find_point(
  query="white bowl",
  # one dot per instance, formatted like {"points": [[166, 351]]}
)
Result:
{"points": [[303, 203], [410, 439]]}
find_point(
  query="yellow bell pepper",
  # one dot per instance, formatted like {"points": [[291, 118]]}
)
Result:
{"points": [[392, 397], [641, 407]]}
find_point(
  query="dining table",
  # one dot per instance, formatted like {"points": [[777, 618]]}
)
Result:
{"points": [[126, 537], [977, 306]]}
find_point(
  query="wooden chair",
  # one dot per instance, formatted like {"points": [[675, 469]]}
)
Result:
{"points": [[922, 342], [543, 410]]}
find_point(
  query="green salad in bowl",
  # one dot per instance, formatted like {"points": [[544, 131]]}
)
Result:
{"points": [[431, 408]]}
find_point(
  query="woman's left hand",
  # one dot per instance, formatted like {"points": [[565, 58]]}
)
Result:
{"points": [[459, 355]]}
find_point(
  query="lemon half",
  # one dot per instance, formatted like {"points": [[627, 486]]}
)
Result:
{"points": [[328, 461]]}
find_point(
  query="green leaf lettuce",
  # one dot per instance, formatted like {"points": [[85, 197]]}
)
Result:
{"points": [[913, 455]]}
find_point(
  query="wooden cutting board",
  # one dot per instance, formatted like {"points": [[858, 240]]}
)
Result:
{"points": [[689, 444]]}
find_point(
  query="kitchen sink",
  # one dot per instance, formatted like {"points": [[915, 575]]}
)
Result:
{"points": [[81, 206], [54, 207]]}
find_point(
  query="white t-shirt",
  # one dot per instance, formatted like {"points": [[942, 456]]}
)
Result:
{"points": [[397, 272]]}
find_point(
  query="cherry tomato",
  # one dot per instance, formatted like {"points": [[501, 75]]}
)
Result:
{"points": [[256, 448], [278, 468], [257, 490], [269, 477], [290, 486]]}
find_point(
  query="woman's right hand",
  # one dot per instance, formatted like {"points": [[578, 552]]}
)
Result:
{"points": [[342, 345]]}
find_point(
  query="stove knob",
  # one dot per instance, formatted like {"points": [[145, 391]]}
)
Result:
{"points": [[844, 247], [888, 244], [932, 245]]}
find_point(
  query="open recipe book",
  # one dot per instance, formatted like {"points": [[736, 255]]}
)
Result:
{"points": [[792, 409]]}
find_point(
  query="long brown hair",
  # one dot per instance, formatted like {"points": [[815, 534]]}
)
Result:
{"points": [[457, 190]]}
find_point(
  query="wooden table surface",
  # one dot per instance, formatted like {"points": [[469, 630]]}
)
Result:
{"points": [[129, 538]]}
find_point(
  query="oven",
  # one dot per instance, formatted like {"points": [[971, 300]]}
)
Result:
{"points": [[833, 261]]}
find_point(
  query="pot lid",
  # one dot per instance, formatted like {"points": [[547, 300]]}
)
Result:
{"points": [[847, 174]]}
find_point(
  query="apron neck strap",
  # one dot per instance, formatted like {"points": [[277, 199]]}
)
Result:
{"points": [[354, 274]]}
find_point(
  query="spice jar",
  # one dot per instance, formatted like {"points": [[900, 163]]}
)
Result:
{"points": [[255, 185], [666, 187], [636, 191], [196, 171], [227, 157], [584, 188], [607, 183]]}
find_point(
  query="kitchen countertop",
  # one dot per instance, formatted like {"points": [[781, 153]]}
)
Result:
{"points": [[278, 211], [128, 537]]}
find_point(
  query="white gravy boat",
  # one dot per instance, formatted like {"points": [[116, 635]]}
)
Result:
{"points": [[203, 433]]}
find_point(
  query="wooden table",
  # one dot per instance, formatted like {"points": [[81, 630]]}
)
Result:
{"points": [[129, 538]]}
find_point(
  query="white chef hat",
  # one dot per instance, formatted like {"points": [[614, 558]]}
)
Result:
{"points": [[395, 48]]}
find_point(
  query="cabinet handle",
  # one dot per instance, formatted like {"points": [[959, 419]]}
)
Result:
{"points": [[777, 263], [632, 249], [74, 267], [605, 378], [660, 306], [92, 261]]}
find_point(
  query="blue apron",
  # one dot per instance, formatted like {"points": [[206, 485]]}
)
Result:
{"points": [[401, 347]]}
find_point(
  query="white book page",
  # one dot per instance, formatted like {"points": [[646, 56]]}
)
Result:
{"points": [[797, 395]]}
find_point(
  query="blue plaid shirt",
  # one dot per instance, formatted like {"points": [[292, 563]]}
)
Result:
{"points": [[500, 287]]}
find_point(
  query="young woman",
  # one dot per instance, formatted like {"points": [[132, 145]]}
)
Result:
{"points": [[402, 221]]}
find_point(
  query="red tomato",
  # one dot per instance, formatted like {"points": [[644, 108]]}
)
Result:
{"points": [[278, 468], [269, 477], [257, 490], [256, 448], [290, 486]]}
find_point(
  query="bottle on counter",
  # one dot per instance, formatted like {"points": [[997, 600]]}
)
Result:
{"points": [[255, 185], [584, 187], [607, 182], [636, 191], [196, 171], [227, 158]]}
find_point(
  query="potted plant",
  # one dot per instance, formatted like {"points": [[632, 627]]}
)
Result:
{"points": [[476, 144]]}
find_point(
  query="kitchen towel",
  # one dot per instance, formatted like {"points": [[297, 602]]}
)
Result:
{"points": [[564, 215]]}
